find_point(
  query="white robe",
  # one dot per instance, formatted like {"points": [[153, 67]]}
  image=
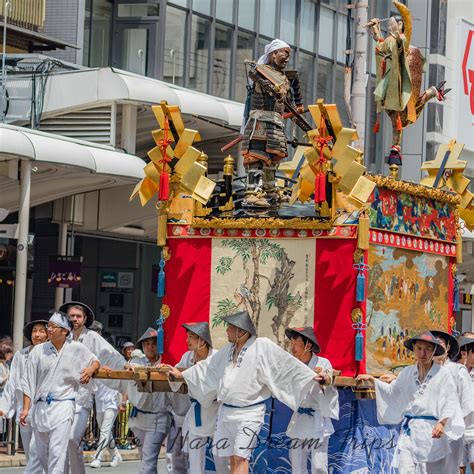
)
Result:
{"points": [[208, 411], [105, 353], [436, 397], [11, 401], [262, 370], [469, 420], [49, 372], [157, 404], [325, 403]]}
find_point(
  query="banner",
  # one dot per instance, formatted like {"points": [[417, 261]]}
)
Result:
{"points": [[64, 272], [280, 282]]}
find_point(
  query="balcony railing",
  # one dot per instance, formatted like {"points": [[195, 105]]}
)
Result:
{"points": [[28, 14]]}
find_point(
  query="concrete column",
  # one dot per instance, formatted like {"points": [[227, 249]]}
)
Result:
{"points": [[22, 255], [129, 128]]}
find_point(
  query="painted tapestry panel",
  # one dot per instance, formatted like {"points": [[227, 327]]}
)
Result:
{"points": [[408, 292], [408, 214], [272, 279]]}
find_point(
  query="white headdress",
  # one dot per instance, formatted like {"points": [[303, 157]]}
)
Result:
{"points": [[61, 320], [270, 48]]}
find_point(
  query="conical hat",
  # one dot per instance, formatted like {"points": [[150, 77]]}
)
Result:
{"points": [[242, 321], [201, 330], [426, 336], [148, 334], [90, 316], [28, 328], [308, 333], [453, 343]]}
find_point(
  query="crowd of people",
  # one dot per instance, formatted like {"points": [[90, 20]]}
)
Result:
{"points": [[51, 390]]}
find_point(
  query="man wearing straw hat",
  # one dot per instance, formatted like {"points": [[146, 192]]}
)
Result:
{"points": [[50, 386], [423, 398], [463, 390], [82, 316], [310, 426], [242, 376], [11, 402], [200, 420], [151, 413]]}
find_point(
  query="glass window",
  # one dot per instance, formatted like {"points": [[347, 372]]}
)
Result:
{"points": [[174, 46], [245, 43], [181, 3], [100, 34], [262, 42], [341, 38], [307, 24], [199, 52], [267, 17], [222, 62], [225, 10], [324, 81], [288, 21], [87, 29], [326, 27], [202, 6], [305, 71], [246, 17], [341, 105], [134, 50], [137, 9]]}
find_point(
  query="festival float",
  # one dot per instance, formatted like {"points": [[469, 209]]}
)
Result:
{"points": [[368, 260]]}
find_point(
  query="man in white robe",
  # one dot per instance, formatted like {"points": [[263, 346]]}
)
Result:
{"points": [[200, 420], [423, 398], [310, 426], [151, 413], [82, 316], [50, 386], [11, 401], [460, 375], [242, 376], [467, 349]]}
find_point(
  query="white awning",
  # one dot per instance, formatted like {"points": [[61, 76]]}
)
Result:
{"points": [[93, 87], [61, 166]]}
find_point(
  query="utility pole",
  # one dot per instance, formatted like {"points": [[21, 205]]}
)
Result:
{"points": [[359, 86]]}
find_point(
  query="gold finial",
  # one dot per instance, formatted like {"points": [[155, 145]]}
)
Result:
{"points": [[393, 171], [228, 165], [203, 159]]}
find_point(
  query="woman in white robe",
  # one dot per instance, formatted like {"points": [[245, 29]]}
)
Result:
{"points": [[423, 398], [11, 401], [242, 376], [310, 426]]}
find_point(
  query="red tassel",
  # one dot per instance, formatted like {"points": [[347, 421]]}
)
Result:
{"points": [[320, 187], [164, 191], [377, 126], [399, 124]]}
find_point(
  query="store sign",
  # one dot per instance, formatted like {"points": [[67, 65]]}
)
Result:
{"points": [[109, 280], [64, 272], [466, 85]]}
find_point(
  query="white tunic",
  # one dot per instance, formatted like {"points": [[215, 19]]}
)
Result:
{"points": [[209, 410], [435, 397], [463, 386], [53, 373], [105, 353], [262, 370], [106, 398], [325, 403], [156, 404], [469, 420], [11, 400]]}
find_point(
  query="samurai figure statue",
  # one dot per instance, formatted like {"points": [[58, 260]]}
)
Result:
{"points": [[399, 77], [272, 92]]}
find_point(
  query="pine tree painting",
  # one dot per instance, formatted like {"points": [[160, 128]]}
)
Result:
{"points": [[252, 255]]}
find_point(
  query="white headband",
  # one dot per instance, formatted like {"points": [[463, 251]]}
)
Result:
{"points": [[270, 48], [60, 320]]}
